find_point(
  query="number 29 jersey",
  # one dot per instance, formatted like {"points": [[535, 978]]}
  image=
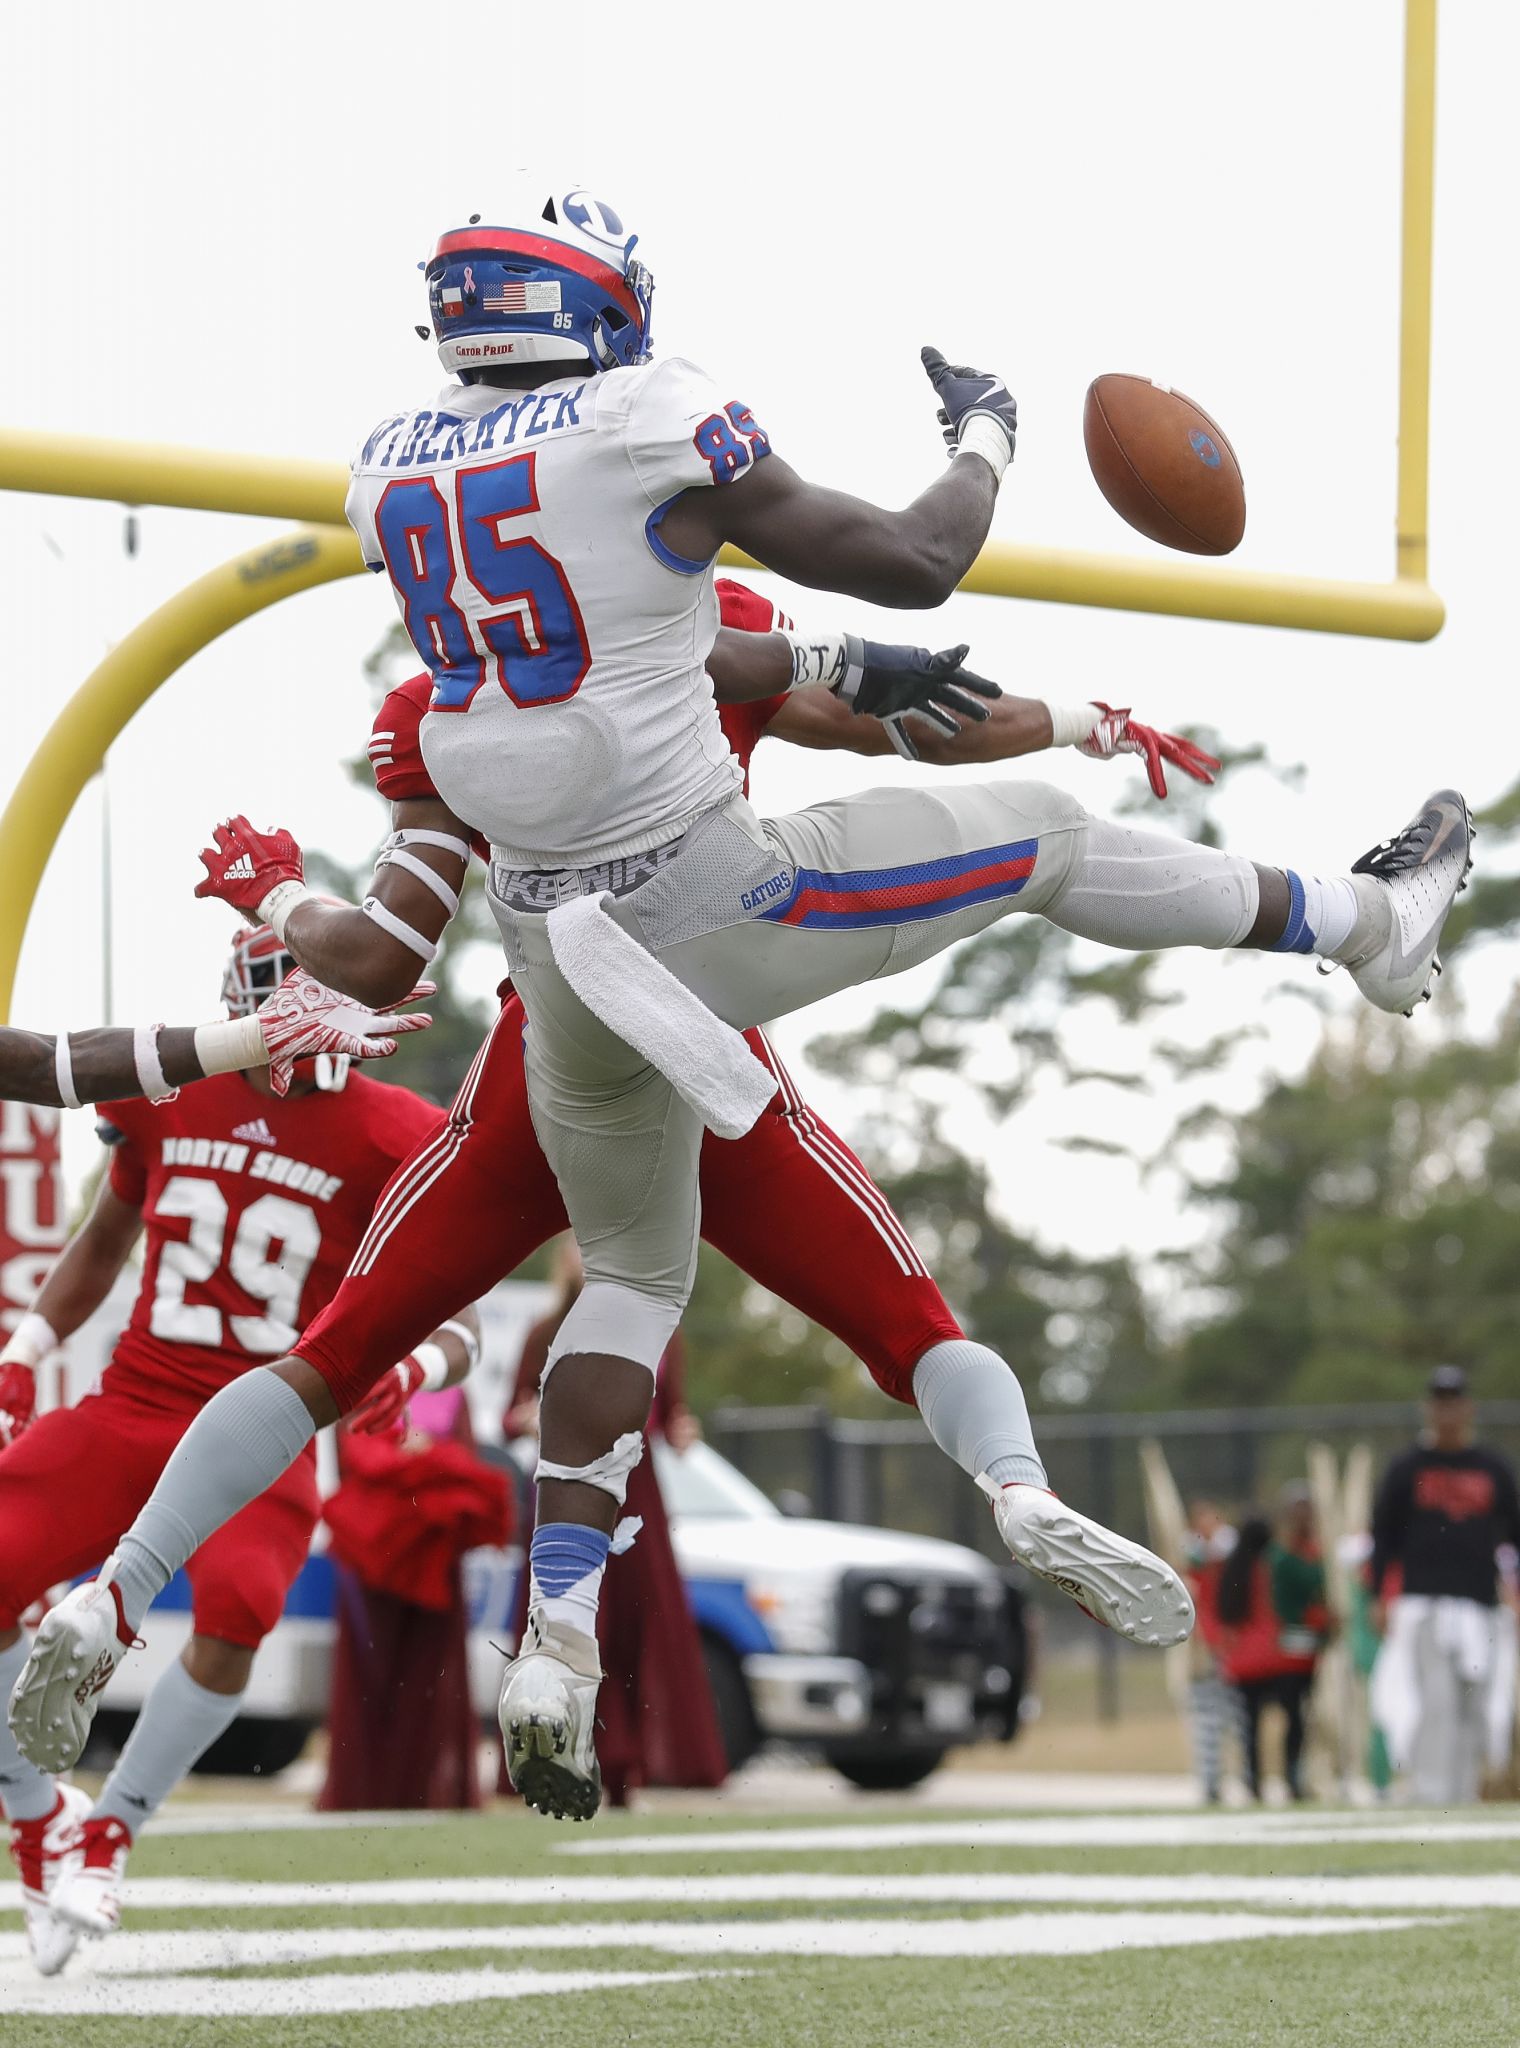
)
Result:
{"points": [[253, 1209], [572, 720]]}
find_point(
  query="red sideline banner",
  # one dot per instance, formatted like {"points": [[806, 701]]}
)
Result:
{"points": [[31, 1205]]}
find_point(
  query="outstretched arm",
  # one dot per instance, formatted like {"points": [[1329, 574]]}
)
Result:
{"points": [[301, 1018], [373, 953], [1009, 727], [831, 541]]}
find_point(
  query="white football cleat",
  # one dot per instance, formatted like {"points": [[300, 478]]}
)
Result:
{"points": [[548, 1721], [42, 1850], [1406, 887], [1120, 1584], [76, 1649], [87, 1897]]}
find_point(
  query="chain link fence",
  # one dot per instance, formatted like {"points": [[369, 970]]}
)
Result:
{"points": [[892, 1475]]}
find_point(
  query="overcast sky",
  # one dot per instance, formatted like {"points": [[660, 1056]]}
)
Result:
{"points": [[212, 225]]}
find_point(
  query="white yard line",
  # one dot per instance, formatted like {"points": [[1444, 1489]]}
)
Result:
{"points": [[266, 1998], [135, 1973], [1428, 1893], [1072, 1832]]}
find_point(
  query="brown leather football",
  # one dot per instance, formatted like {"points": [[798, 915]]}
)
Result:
{"points": [[1163, 465]]}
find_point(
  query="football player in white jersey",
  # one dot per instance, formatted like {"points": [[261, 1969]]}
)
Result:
{"points": [[549, 528]]}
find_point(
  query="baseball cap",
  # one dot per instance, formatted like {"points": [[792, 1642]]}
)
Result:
{"points": [[1447, 1382]]}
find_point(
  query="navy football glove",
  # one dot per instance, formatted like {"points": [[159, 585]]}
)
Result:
{"points": [[966, 394], [885, 682]]}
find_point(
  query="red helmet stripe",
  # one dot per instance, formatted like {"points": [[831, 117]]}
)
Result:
{"points": [[542, 249]]}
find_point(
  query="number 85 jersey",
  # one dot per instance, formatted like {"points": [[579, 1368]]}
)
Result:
{"points": [[253, 1209], [571, 720]]}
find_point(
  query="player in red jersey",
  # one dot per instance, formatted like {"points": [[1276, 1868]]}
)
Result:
{"points": [[479, 1198], [252, 1203]]}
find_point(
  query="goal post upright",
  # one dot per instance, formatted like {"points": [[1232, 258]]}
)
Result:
{"points": [[75, 745]]}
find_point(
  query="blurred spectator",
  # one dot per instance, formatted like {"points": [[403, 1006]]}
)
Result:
{"points": [[413, 1500], [1213, 1705], [656, 1724], [1273, 1622], [1443, 1686]]}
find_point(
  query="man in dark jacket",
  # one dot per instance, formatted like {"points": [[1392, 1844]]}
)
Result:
{"points": [[1443, 1688]]}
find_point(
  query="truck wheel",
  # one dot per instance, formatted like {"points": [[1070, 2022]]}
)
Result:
{"points": [[731, 1701], [885, 1770], [254, 1747]]}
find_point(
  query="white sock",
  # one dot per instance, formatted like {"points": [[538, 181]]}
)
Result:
{"points": [[178, 1723], [25, 1792], [1322, 912]]}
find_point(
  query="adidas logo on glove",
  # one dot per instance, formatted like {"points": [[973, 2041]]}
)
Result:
{"points": [[241, 869]]}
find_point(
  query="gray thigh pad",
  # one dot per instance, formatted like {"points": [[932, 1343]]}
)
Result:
{"points": [[723, 875]]}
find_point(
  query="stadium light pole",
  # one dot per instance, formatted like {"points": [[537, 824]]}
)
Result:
{"points": [[75, 744]]}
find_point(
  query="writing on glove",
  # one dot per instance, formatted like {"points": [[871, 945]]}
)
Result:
{"points": [[243, 865], [1114, 731], [303, 1018]]}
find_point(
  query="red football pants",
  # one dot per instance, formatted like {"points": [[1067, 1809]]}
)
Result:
{"points": [[78, 1476], [789, 1203]]}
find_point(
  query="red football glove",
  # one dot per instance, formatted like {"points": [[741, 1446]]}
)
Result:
{"points": [[18, 1398], [242, 865], [381, 1409], [302, 1019], [1115, 732]]}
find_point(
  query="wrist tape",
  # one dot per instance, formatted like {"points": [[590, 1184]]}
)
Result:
{"points": [[275, 908], [1070, 724], [32, 1340], [981, 434], [230, 1045], [434, 1361]]}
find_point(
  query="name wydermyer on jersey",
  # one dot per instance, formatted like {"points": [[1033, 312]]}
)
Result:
{"points": [[529, 418]]}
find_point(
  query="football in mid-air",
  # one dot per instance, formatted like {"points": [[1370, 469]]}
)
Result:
{"points": [[1163, 465]]}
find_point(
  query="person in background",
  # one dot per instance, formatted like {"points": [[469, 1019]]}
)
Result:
{"points": [[1213, 1706], [1273, 1623], [414, 1497], [657, 1724], [1445, 1510]]}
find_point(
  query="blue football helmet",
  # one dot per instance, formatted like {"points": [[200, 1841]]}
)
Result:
{"points": [[554, 280]]}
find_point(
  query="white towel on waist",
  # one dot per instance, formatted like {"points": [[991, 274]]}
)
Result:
{"points": [[705, 1060]]}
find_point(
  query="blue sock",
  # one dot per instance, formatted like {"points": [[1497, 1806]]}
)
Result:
{"points": [[565, 1562]]}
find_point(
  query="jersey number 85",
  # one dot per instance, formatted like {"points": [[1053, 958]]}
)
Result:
{"points": [[475, 592]]}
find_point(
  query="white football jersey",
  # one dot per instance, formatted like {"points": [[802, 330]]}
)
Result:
{"points": [[572, 719]]}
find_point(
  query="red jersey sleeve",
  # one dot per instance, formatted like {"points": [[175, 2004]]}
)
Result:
{"points": [[746, 611], [395, 743], [118, 1124]]}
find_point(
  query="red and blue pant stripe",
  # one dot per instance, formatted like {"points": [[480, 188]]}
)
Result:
{"points": [[905, 895]]}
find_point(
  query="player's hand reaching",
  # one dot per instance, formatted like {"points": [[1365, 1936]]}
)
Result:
{"points": [[1100, 731], [965, 395], [243, 865], [381, 1410], [302, 1019], [885, 682], [18, 1398]]}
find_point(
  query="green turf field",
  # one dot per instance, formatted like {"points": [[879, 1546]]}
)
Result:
{"points": [[871, 1926]]}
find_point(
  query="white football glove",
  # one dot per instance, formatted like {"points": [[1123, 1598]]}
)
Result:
{"points": [[303, 1018]]}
